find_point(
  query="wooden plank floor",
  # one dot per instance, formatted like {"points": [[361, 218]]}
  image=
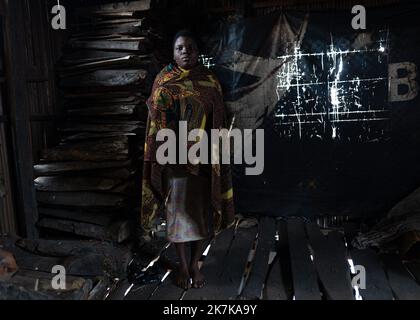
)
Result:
{"points": [[167, 260], [276, 285], [414, 268], [266, 237], [401, 281], [166, 290], [331, 263], [285, 259], [212, 269], [376, 285], [305, 282]]}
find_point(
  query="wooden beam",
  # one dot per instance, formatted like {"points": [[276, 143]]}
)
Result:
{"points": [[134, 28], [104, 111], [88, 127], [100, 289], [75, 183], [102, 219], [214, 265], [118, 232], [76, 166], [113, 149], [106, 78], [91, 56], [402, 283], [117, 7], [126, 61], [279, 284], [81, 199], [305, 280], [377, 286], [19, 115], [140, 45], [94, 135], [330, 260], [414, 268], [266, 233], [8, 223], [108, 97], [167, 289]]}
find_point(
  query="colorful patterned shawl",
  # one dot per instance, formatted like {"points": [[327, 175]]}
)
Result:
{"points": [[194, 96]]}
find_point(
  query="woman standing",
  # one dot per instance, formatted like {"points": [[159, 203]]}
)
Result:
{"points": [[196, 198]]}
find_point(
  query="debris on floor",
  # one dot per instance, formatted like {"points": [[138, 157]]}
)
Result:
{"points": [[398, 231], [90, 268]]}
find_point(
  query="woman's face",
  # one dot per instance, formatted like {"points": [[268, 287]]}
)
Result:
{"points": [[185, 52]]}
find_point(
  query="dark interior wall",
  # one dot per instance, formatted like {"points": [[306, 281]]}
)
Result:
{"points": [[309, 177], [32, 48], [204, 17], [345, 184], [7, 213], [44, 110], [38, 44], [30, 104], [177, 14]]}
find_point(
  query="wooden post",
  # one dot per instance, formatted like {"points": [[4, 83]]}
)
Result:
{"points": [[15, 48]]}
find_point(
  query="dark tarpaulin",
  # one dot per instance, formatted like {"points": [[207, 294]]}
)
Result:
{"points": [[340, 108]]}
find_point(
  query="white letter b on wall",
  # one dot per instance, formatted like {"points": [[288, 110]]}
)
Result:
{"points": [[406, 81]]}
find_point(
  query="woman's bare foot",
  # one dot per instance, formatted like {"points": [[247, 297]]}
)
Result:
{"points": [[183, 278], [197, 277]]}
